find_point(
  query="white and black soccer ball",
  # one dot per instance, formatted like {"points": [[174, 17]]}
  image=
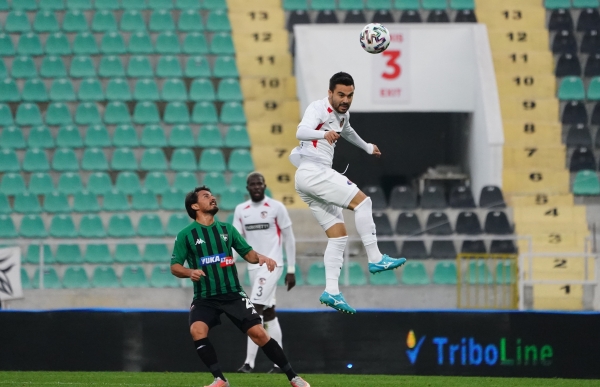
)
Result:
{"points": [[374, 38]]}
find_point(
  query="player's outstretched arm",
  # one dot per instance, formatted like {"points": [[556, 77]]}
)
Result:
{"points": [[254, 257], [350, 135], [183, 272], [289, 245]]}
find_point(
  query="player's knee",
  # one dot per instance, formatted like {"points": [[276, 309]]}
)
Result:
{"points": [[198, 330], [269, 314], [258, 334], [364, 205]]}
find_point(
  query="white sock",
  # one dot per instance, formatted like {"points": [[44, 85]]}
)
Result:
{"points": [[334, 259], [274, 330], [251, 351], [363, 215]]}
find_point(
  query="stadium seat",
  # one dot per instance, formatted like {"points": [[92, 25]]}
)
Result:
{"points": [[240, 160], [56, 202], [156, 182], [568, 66], [97, 136], [168, 43], [560, 19], [50, 279], [503, 247], [237, 137], [176, 223], [117, 113], [593, 92], [52, 67], [181, 136], [377, 197], [183, 159], [74, 21], [438, 224], [505, 272], [443, 250], [571, 88], [218, 21], [145, 113], [7, 47], [161, 20], [4, 205], [403, 198], [115, 200], [225, 66], [120, 226], [586, 183], [105, 276], [354, 17], [104, 21], [62, 226], [582, 158], [588, 20], [195, 43], [383, 16], [124, 160], [35, 161], [433, 197], [25, 281], [185, 181], [586, 4], [68, 254], [496, 222], [153, 136], [75, 277], [293, 5], [168, 66], [229, 90], [414, 273], [118, 90], [144, 200], [113, 43], [473, 247], [24, 5], [230, 198], [413, 250], [461, 197], [384, 278], [592, 66], [187, 4], [564, 43], [212, 160], [197, 66], [140, 43], [468, 223], [132, 20], [45, 21], [128, 183], [444, 273], [26, 203], [85, 44], [356, 274], [161, 277], [69, 183], [438, 16], [491, 197], [316, 274], [232, 113], [11, 183], [221, 44], [173, 90], [465, 16], [110, 67], [4, 70], [326, 17], [65, 160], [202, 89], [156, 253], [176, 113], [58, 113], [172, 199], [555, 4], [590, 44], [145, 90], [23, 67], [238, 181], [69, 137], [9, 161], [90, 90], [17, 22], [479, 273], [127, 253], [579, 136], [215, 181], [7, 227], [408, 224], [134, 5], [79, 4], [133, 277], [91, 227], [40, 137], [40, 183], [9, 91], [213, 5], [85, 201], [153, 159], [99, 183], [94, 160], [125, 136], [189, 21], [382, 224], [62, 90]]}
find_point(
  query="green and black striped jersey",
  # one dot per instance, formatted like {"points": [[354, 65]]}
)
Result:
{"points": [[209, 248]]}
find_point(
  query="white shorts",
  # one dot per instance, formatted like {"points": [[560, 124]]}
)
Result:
{"points": [[326, 192], [264, 284]]}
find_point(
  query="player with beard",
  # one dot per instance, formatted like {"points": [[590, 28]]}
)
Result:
{"points": [[266, 224], [207, 246]]}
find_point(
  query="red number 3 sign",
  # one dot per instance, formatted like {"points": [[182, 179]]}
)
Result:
{"points": [[393, 69]]}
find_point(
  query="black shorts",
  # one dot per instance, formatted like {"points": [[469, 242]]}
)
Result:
{"points": [[240, 311]]}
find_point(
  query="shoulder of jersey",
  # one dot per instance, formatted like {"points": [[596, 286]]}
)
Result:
{"points": [[242, 205]]}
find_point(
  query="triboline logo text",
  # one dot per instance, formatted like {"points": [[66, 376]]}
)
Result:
{"points": [[469, 352]]}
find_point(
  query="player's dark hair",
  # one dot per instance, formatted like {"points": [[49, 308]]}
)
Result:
{"points": [[340, 78], [192, 198]]}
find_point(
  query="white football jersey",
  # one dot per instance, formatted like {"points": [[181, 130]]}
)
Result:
{"points": [[261, 224]]}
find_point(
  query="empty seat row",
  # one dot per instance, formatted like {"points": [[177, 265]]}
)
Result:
{"points": [[117, 112], [105, 21], [572, 88], [561, 19], [124, 159], [99, 183], [85, 43], [557, 4], [580, 136], [97, 254], [564, 42], [586, 183], [467, 223], [69, 136], [112, 66], [112, 5], [416, 249], [570, 65], [582, 158], [575, 112], [349, 5], [404, 197]]}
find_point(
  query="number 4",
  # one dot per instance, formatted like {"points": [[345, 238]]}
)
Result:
{"points": [[396, 70]]}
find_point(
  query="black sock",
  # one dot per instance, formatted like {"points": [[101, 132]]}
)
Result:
{"points": [[276, 355], [208, 355]]}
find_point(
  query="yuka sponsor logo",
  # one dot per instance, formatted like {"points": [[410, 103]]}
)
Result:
{"points": [[221, 259]]}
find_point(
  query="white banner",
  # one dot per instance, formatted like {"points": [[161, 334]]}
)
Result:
{"points": [[390, 75], [10, 273]]}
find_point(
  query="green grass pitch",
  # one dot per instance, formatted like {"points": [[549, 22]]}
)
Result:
{"points": [[152, 379]]}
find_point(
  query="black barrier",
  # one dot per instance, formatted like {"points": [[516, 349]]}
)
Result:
{"points": [[418, 343]]}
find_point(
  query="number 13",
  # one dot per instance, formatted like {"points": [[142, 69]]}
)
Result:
{"points": [[395, 69]]}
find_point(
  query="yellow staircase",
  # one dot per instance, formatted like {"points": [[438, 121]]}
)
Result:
{"points": [[272, 111], [535, 179]]}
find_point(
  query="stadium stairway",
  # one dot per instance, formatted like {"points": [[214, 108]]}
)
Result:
{"points": [[536, 182]]}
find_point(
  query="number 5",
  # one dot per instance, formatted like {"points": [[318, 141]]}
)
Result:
{"points": [[392, 62]]}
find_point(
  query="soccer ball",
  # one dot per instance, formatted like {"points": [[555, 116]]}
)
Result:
{"points": [[374, 38]]}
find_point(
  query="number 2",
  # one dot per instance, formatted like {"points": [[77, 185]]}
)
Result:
{"points": [[392, 62]]}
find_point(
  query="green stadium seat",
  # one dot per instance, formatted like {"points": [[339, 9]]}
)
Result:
{"points": [[124, 160], [134, 277], [187, 4], [295, 5], [62, 90], [316, 274], [195, 43], [202, 89], [140, 43], [384, 278], [162, 278], [412, 5], [571, 88], [160, 4], [176, 223], [145, 113], [113, 43], [96, 254], [215, 181], [185, 181], [35, 161], [176, 113], [156, 182], [181, 136], [349, 5], [167, 43], [586, 4], [65, 160], [214, 4], [218, 21], [87, 113], [7, 227], [128, 183], [3, 70], [593, 92], [150, 224], [238, 181], [434, 4], [68, 254], [240, 160], [104, 21], [153, 159], [32, 226], [94, 159], [144, 200], [117, 89], [586, 183], [97, 136], [197, 66], [11, 183], [69, 183], [25, 281], [79, 4], [82, 67], [173, 90], [229, 90], [132, 20], [41, 183], [115, 200], [75, 277], [212, 160], [74, 21], [127, 253], [168, 66], [34, 90], [28, 114], [505, 272], [91, 227], [414, 273], [233, 113], [12, 137], [189, 21], [23, 67], [237, 137], [7, 48], [120, 226], [52, 5], [109, 5], [557, 4], [56, 202], [9, 161], [53, 67], [134, 4], [183, 159], [125, 136], [9, 91], [154, 136], [379, 4], [58, 113], [69, 137], [16, 21], [230, 198], [139, 67], [85, 44], [85, 201], [111, 67], [40, 137], [98, 183], [356, 273], [50, 279], [116, 112], [24, 5], [26, 203], [172, 199], [155, 253], [62, 226], [478, 273], [444, 273], [204, 113], [161, 20], [33, 255], [222, 44], [462, 4], [105, 276]]}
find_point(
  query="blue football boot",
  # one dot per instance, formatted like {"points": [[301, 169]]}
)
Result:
{"points": [[337, 302], [386, 263]]}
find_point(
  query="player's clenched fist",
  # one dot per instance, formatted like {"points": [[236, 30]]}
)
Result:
{"points": [[331, 137], [271, 264], [376, 151], [196, 274]]}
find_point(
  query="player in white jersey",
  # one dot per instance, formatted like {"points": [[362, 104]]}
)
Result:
{"points": [[266, 225], [327, 192]]}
